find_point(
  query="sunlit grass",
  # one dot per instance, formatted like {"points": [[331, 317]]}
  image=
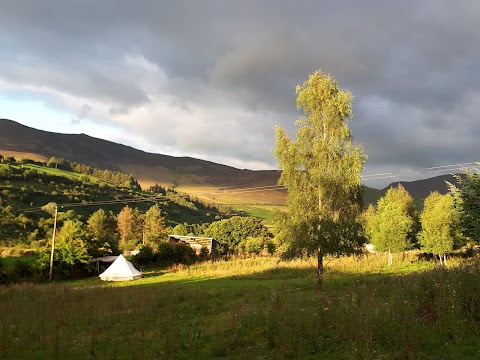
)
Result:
{"points": [[273, 268], [253, 308], [264, 212]]}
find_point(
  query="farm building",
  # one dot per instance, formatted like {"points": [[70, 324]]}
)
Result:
{"points": [[195, 242]]}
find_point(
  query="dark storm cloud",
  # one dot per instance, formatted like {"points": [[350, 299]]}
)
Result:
{"points": [[173, 72]]}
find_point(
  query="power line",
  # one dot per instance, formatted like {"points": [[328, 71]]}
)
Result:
{"points": [[103, 202], [368, 177], [255, 188], [379, 176]]}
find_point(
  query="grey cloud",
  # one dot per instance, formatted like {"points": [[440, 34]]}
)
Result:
{"points": [[83, 113], [418, 57]]}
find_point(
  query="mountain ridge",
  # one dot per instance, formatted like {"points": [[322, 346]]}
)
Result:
{"points": [[181, 172], [200, 177]]}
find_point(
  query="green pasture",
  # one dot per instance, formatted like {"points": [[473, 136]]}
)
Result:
{"points": [[254, 308], [8, 262], [264, 212], [56, 172]]}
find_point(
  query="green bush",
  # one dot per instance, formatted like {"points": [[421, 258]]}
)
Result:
{"points": [[145, 256], [175, 254], [165, 253], [184, 254], [23, 269], [254, 245], [271, 246]]}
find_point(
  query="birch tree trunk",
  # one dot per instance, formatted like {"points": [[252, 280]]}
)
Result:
{"points": [[320, 270]]}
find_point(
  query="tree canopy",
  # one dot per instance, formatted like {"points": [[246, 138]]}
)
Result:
{"points": [[467, 202], [229, 233], [390, 228], [154, 226], [321, 171], [71, 249], [438, 221]]}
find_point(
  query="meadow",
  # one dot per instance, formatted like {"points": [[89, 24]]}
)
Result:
{"points": [[253, 308]]}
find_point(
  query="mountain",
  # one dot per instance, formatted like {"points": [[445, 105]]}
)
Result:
{"points": [[208, 180], [148, 168], [420, 189]]}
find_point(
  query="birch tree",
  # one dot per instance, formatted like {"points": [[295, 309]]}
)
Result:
{"points": [[438, 225], [392, 226], [321, 171]]}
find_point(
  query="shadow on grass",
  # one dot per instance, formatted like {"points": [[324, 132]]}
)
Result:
{"points": [[266, 313]]}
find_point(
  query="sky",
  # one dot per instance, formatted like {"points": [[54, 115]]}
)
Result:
{"points": [[211, 79]]}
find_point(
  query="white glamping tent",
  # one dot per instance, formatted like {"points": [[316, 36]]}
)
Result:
{"points": [[120, 270]]}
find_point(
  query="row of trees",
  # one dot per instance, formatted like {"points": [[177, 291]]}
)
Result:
{"points": [[322, 174], [112, 177], [105, 233], [27, 187], [395, 225]]}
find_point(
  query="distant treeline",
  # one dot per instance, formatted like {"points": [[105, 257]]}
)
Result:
{"points": [[112, 177], [26, 185]]}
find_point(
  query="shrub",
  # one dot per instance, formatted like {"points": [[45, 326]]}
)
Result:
{"points": [[175, 254], [271, 246], [165, 253], [204, 253], [23, 269], [4, 276], [184, 254], [145, 256], [254, 245]]}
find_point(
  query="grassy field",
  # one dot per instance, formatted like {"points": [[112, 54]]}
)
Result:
{"points": [[256, 308], [264, 212], [245, 195], [56, 172]]}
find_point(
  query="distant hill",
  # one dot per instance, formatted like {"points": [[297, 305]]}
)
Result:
{"points": [[420, 189], [148, 168], [205, 179], [25, 188]]}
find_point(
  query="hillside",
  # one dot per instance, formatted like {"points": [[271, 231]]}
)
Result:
{"points": [[25, 188], [420, 189], [204, 179], [148, 167]]}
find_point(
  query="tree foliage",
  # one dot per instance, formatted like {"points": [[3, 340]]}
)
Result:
{"points": [[125, 224], [229, 233], [154, 226], [467, 202], [102, 226], [71, 250], [438, 221], [321, 171], [390, 228], [113, 177]]}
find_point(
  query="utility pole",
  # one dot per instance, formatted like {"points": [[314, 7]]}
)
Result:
{"points": [[53, 242]]}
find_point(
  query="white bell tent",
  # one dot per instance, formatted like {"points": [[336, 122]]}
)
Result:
{"points": [[120, 270]]}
